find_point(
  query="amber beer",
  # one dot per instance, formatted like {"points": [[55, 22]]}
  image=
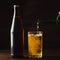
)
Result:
{"points": [[35, 40]]}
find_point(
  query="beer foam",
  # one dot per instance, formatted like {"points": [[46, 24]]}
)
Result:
{"points": [[34, 34], [38, 34], [30, 34]]}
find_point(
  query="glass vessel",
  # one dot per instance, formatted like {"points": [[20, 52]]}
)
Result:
{"points": [[16, 33], [35, 44]]}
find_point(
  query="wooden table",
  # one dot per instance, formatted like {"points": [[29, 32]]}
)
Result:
{"points": [[48, 55]]}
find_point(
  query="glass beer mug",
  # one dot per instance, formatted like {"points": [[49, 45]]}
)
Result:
{"points": [[35, 43]]}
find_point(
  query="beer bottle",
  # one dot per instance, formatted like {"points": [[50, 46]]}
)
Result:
{"points": [[16, 33]]}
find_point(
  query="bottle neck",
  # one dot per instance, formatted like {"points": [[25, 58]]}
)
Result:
{"points": [[17, 10]]}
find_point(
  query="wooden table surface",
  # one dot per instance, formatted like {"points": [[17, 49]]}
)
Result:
{"points": [[49, 55]]}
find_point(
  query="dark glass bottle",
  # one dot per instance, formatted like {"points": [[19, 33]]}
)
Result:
{"points": [[16, 33]]}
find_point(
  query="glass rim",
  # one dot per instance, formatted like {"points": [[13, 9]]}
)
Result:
{"points": [[35, 31]]}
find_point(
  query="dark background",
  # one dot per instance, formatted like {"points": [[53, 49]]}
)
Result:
{"points": [[44, 9]]}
